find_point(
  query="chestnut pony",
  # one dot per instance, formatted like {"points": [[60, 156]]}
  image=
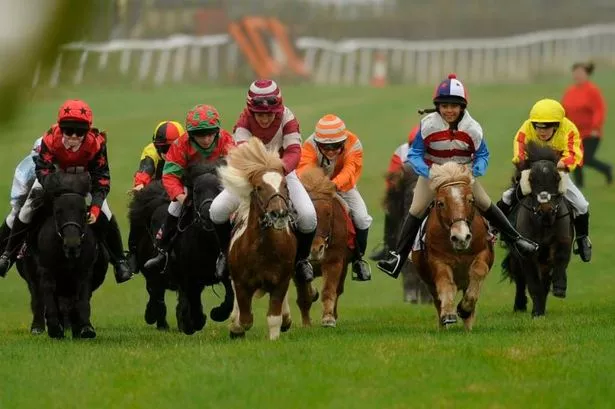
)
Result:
{"points": [[262, 251], [330, 254], [444, 264]]}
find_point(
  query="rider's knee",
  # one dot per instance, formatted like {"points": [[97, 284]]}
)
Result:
{"points": [[175, 208], [306, 218], [363, 222]]}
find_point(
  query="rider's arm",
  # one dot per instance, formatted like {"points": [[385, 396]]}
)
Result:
{"points": [[481, 159], [98, 168], [416, 156], [520, 141], [573, 155], [43, 163], [173, 171], [353, 165], [291, 143], [309, 156], [147, 166]]}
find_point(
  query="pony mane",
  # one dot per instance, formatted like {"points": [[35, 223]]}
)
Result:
{"points": [[146, 201], [197, 169], [317, 183], [449, 172], [244, 163], [536, 152], [64, 182]]}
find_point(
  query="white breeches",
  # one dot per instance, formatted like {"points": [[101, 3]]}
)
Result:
{"points": [[226, 203], [358, 210], [573, 195], [27, 211]]}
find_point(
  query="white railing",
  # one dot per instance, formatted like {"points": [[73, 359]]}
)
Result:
{"points": [[348, 62]]}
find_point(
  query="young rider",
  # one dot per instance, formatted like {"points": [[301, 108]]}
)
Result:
{"points": [[267, 118], [548, 125], [150, 168], [204, 140], [448, 134], [340, 153], [73, 142], [390, 225]]}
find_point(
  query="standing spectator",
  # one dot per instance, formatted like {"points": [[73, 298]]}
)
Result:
{"points": [[585, 107]]}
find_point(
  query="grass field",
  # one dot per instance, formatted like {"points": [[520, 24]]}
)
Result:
{"points": [[383, 354]]}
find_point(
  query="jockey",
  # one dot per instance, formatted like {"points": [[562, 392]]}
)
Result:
{"points": [[268, 119], [395, 166], [340, 153], [205, 140], [23, 179], [448, 133], [548, 125], [73, 142], [150, 168]]}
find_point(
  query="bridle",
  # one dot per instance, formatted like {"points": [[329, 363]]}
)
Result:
{"points": [[268, 219], [79, 226], [447, 226]]}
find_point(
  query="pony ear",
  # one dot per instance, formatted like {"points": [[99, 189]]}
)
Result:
{"points": [[524, 182], [563, 182]]}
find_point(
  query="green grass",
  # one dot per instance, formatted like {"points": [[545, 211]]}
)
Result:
{"points": [[384, 353]]}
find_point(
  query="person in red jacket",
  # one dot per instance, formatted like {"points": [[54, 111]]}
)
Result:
{"points": [[268, 119], [204, 140], [585, 107], [390, 225], [73, 142]]}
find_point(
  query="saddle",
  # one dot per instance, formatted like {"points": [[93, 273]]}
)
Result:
{"points": [[352, 233]]}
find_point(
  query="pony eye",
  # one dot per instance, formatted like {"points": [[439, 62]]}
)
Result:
{"points": [[440, 204]]}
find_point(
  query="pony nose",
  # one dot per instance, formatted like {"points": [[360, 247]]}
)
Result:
{"points": [[461, 239]]}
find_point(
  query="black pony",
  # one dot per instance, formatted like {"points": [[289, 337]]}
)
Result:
{"points": [[69, 263], [542, 215], [192, 262]]}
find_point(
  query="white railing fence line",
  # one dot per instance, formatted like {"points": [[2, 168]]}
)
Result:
{"points": [[348, 62]]}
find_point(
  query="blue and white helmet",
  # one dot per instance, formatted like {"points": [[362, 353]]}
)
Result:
{"points": [[451, 91]]}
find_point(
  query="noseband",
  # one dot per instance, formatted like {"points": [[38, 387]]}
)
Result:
{"points": [[269, 219], [79, 226], [447, 226]]}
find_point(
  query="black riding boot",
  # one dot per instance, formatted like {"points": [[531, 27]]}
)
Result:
{"points": [[584, 245], [223, 231], [303, 268], [510, 235], [5, 233], [395, 260], [16, 237], [389, 239], [132, 251], [108, 233], [163, 246], [505, 208], [360, 268]]}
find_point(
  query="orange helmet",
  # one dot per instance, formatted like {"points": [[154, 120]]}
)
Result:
{"points": [[330, 130]]}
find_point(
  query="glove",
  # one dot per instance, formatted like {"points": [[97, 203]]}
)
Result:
{"points": [[94, 213], [478, 169]]}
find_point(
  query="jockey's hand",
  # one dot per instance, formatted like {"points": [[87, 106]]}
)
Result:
{"points": [[181, 198], [93, 215], [561, 165]]}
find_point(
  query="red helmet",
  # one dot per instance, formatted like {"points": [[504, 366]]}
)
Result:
{"points": [[76, 112], [265, 96]]}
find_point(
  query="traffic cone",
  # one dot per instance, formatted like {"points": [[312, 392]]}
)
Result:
{"points": [[379, 74]]}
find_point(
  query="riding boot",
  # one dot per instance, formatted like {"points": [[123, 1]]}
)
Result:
{"points": [[303, 268], [360, 268], [223, 231], [584, 245], [510, 235], [16, 237], [108, 233], [389, 239], [163, 245], [5, 233], [394, 262], [132, 251], [505, 208]]}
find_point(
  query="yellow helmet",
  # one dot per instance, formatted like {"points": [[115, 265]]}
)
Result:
{"points": [[547, 111]]}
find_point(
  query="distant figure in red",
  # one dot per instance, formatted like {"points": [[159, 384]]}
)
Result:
{"points": [[391, 225], [585, 107]]}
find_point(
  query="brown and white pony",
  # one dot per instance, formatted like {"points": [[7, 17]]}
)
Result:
{"points": [[330, 253], [444, 264], [262, 251]]}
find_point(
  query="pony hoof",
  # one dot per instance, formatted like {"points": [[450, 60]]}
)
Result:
{"points": [[286, 326], [36, 330], [464, 315], [448, 319], [236, 335], [315, 296], [220, 314], [520, 308], [150, 314], [538, 315], [55, 331], [87, 332], [162, 326], [328, 323]]}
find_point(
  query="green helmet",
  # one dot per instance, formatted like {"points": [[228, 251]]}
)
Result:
{"points": [[202, 118]]}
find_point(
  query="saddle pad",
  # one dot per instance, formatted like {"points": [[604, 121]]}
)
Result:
{"points": [[419, 241], [352, 233]]}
